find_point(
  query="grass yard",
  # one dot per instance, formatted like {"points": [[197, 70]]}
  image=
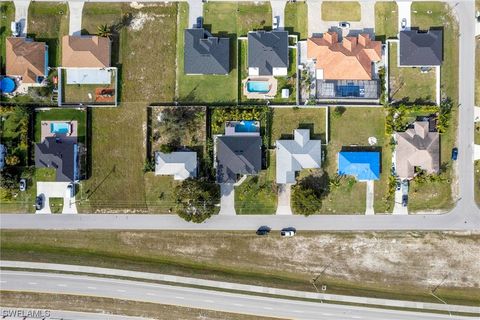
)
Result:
{"points": [[56, 205], [354, 127], [48, 22], [477, 71], [208, 88], [7, 15], [288, 82], [117, 181], [258, 194], [409, 84], [341, 11], [406, 264], [45, 174], [109, 306], [386, 20], [285, 120], [57, 114], [296, 19]]}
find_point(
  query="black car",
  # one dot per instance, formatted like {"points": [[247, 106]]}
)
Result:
{"points": [[404, 200], [454, 154], [263, 231], [39, 202]]}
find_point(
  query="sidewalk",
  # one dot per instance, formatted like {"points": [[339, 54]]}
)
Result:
{"points": [[240, 287]]}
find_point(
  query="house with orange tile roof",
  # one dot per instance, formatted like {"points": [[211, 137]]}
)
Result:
{"points": [[86, 52], [26, 59], [349, 59]]}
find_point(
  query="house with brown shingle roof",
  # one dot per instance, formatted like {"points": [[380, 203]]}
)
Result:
{"points": [[85, 52], [349, 59], [27, 59], [417, 147]]}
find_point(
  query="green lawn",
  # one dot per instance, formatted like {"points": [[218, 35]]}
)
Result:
{"points": [[258, 194], [386, 20], [48, 22], [354, 127], [341, 11], [117, 181], [296, 19], [57, 114], [409, 84], [45, 174], [56, 205], [285, 120], [7, 15], [288, 82], [208, 88], [81, 93]]}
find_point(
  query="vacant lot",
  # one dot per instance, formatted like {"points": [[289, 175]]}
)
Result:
{"points": [[407, 84], [296, 19], [386, 20], [341, 11], [354, 127], [285, 120], [113, 306], [7, 15], [48, 22], [396, 265], [258, 194], [117, 180], [218, 19]]}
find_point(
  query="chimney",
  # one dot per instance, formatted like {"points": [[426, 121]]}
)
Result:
{"points": [[362, 39], [330, 37], [347, 44]]}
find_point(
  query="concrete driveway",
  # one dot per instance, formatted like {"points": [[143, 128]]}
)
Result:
{"points": [[284, 196], [21, 15], [227, 200], [370, 197], [56, 190], [75, 26], [404, 12], [278, 10], [398, 208], [476, 152], [195, 11]]}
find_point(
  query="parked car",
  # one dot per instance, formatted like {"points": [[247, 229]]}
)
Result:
{"points": [[23, 184], [344, 24], [39, 202], [398, 185], [276, 22], [71, 190], [287, 233], [454, 154], [404, 200], [404, 23], [405, 187], [15, 28], [263, 231]]}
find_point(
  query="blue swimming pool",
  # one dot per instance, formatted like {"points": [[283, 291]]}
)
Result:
{"points": [[60, 127], [247, 126], [258, 86]]}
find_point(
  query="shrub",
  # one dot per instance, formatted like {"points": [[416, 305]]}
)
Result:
{"points": [[196, 200]]}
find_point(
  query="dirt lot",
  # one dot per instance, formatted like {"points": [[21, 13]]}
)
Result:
{"points": [[394, 265]]}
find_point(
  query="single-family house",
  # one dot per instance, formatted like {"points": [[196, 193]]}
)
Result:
{"points": [[60, 153], [86, 52], [417, 147], [363, 165], [268, 53], [349, 59], [205, 54], [421, 48], [297, 154], [26, 59], [237, 155], [181, 165]]}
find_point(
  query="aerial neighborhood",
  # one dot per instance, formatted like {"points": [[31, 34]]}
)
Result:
{"points": [[229, 108]]}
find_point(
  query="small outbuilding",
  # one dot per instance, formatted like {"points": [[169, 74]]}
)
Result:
{"points": [[181, 165]]}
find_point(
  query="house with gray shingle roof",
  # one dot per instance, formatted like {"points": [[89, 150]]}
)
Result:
{"points": [[205, 54], [421, 49], [181, 164], [268, 53], [237, 155], [297, 154], [61, 154]]}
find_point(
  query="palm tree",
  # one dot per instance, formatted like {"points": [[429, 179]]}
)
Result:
{"points": [[104, 30]]}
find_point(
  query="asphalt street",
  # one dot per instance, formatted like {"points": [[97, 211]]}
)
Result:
{"points": [[197, 298]]}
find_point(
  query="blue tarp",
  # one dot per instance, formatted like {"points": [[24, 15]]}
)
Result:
{"points": [[361, 165]]}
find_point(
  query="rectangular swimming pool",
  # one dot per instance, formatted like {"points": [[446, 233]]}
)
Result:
{"points": [[247, 126], [60, 127], [258, 86]]}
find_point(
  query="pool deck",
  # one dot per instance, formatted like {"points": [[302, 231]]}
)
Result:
{"points": [[47, 133], [259, 95]]}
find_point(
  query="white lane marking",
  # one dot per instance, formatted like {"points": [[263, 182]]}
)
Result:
{"points": [[357, 317], [120, 290], [238, 304], [267, 308], [3, 281], [61, 285], [209, 301], [298, 311], [32, 283], [327, 314], [150, 294], [179, 298], [92, 288]]}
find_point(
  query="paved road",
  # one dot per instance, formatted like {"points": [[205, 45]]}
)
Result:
{"points": [[13, 313], [196, 298]]}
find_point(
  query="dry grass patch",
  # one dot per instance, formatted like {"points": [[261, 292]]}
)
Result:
{"points": [[341, 11]]}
